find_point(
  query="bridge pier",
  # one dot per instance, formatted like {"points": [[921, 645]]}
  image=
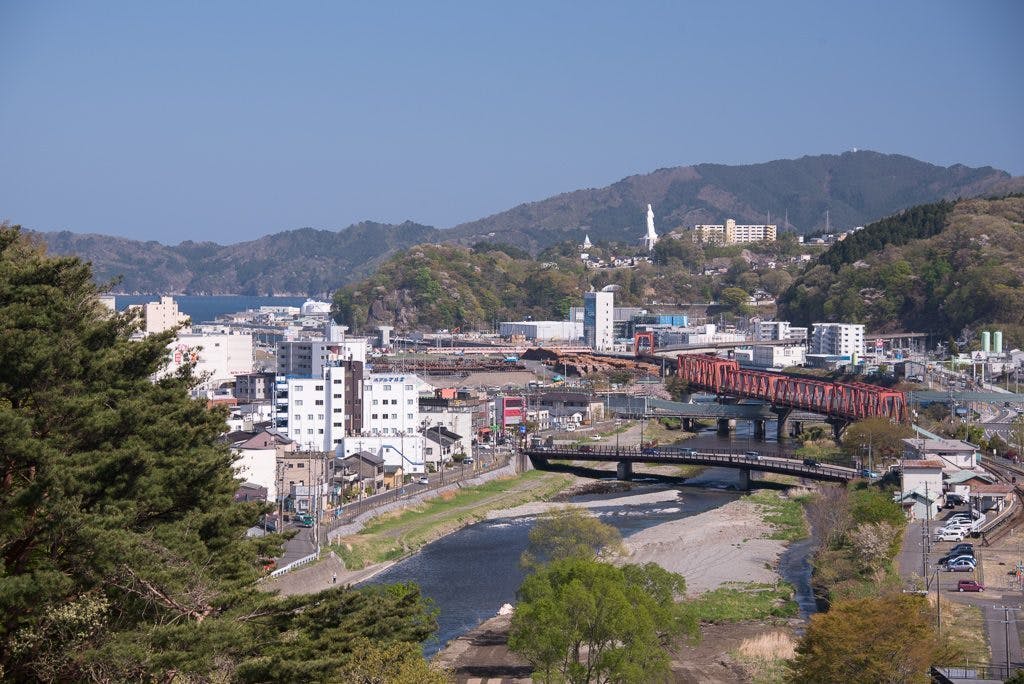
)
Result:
{"points": [[759, 428], [744, 479], [838, 428], [688, 424], [624, 471], [781, 433], [798, 427], [725, 425]]}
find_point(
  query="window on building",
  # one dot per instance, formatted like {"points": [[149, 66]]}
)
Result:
{"points": [[319, 388], [374, 402], [319, 402], [409, 416], [300, 464], [337, 396], [309, 431], [298, 402], [309, 416], [298, 388], [394, 416], [337, 381], [298, 416], [387, 388], [410, 402], [373, 416], [319, 416], [320, 431], [408, 387], [337, 410]]}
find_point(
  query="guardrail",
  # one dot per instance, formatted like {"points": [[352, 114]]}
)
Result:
{"points": [[295, 564], [729, 458]]}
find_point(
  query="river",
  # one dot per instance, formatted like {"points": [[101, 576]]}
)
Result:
{"points": [[469, 574]]}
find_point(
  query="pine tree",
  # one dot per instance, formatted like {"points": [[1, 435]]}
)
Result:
{"points": [[124, 555]]}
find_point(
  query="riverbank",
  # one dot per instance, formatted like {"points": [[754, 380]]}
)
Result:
{"points": [[399, 533], [728, 544]]}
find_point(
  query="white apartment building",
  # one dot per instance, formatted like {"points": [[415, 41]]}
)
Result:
{"points": [[160, 316], [838, 339], [766, 331], [731, 233], [391, 403], [397, 450], [307, 358], [317, 413], [599, 320], [218, 358]]}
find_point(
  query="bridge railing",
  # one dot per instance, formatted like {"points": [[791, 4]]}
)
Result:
{"points": [[735, 458]]}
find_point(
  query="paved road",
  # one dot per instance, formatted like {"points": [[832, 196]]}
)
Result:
{"points": [[998, 633]]}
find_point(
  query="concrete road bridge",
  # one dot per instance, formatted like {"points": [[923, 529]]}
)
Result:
{"points": [[744, 461], [758, 413]]}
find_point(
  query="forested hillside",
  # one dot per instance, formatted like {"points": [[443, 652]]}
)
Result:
{"points": [[944, 268], [296, 262], [447, 286], [854, 188]]}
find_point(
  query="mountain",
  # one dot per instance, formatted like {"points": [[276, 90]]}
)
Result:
{"points": [[296, 262], [854, 188], [949, 268]]}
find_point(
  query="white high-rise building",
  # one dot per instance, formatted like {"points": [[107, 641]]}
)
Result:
{"points": [[160, 316], [217, 358], [766, 331], [307, 358], [599, 320], [391, 403], [839, 339], [322, 410]]}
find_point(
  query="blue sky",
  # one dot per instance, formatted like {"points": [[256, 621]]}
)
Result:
{"points": [[225, 121]]}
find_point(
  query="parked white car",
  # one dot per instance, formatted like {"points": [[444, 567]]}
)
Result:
{"points": [[950, 535]]}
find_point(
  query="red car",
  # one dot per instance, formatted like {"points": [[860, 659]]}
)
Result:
{"points": [[969, 585]]}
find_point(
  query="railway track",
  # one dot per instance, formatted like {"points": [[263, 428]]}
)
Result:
{"points": [[1013, 475]]}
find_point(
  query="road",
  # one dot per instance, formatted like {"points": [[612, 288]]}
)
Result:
{"points": [[1000, 635]]}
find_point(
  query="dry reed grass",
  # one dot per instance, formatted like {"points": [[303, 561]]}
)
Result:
{"points": [[768, 646]]}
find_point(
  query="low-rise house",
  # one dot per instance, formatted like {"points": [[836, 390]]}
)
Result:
{"points": [[954, 454], [360, 474], [920, 488]]}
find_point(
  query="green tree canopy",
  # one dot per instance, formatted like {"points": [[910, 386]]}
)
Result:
{"points": [[886, 639], [568, 533], [877, 438], [124, 555], [579, 620]]}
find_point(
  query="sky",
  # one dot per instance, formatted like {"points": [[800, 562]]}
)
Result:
{"points": [[226, 121]]}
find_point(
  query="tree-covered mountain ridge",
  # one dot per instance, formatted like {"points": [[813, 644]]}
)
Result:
{"points": [[949, 268], [854, 188]]}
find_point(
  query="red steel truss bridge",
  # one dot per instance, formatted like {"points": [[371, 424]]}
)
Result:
{"points": [[840, 402]]}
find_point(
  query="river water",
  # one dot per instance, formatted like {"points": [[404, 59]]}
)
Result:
{"points": [[469, 574]]}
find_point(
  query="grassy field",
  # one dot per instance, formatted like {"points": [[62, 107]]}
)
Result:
{"points": [[785, 514], [394, 535], [738, 601]]}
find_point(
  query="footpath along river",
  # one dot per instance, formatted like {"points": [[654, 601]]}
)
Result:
{"points": [[472, 572]]}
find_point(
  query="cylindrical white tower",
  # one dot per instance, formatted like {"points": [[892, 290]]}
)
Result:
{"points": [[986, 341], [997, 342]]}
